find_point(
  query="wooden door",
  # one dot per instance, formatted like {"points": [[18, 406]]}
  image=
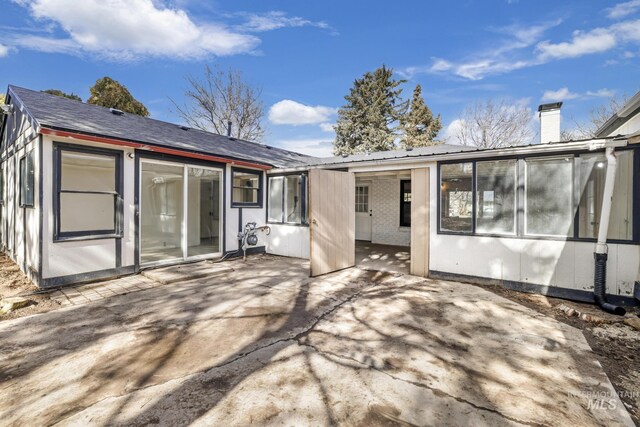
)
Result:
{"points": [[420, 203], [331, 220]]}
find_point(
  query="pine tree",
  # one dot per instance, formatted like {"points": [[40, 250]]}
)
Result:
{"points": [[419, 127], [110, 93], [366, 123], [58, 92]]}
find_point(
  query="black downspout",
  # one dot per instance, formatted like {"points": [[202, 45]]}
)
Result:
{"points": [[599, 285]]}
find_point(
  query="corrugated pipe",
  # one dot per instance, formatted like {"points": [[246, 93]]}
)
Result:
{"points": [[600, 255]]}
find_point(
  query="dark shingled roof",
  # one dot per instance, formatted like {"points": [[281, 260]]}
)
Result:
{"points": [[65, 114]]}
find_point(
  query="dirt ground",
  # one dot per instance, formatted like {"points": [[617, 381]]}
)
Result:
{"points": [[616, 345], [13, 282]]}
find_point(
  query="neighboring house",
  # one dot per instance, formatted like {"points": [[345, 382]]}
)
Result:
{"points": [[92, 193]]}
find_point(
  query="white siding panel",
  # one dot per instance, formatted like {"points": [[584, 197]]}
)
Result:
{"points": [[288, 240]]}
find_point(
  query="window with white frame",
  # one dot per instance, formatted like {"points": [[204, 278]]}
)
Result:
{"points": [[88, 194], [362, 198], [287, 199]]}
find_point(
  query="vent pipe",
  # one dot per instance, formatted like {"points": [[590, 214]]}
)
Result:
{"points": [[229, 128]]}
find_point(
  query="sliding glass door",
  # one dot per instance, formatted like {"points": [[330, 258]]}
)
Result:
{"points": [[180, 212]]}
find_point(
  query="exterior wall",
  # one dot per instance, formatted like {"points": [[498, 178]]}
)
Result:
{"points": [[67, 258], [19, 226], [288, 240], [564, 264], [234, 222], [385, 206]]}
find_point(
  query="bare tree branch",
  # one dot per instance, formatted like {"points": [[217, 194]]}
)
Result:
{"points": [[222, 96], [492, 124]]}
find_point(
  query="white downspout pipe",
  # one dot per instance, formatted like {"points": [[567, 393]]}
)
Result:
{"points": [[600, 255], [607, 198]]}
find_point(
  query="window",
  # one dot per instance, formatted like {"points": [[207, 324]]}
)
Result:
{"points": [[362, 198], [556, 196], [405, 203], [287, 199], [26, 181], [592, 169], [88, 200], [456, 197], [496, 197], [247, 188], [549, 196]]}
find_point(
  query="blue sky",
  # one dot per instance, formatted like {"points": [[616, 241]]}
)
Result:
{"points": [[305, 55]]}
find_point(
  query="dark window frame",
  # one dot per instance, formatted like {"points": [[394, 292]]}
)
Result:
{"points": [[635, 230], [26, 169], [403, 182], [260, 189], [118, 230], [304, 204]]}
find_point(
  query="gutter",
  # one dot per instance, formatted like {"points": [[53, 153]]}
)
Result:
{"points": [[600, 255], [148, 147], [593, 144]]}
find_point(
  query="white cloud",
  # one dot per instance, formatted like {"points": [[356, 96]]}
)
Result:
{"points": [[288, 112], [516, 53], [559, 95], [318, 147], [4, 50], [502, 58], [327, 127], [127, 29], [276, 20], [131, 29], [582, 43], [623, 9], [564, 94], [450, 134]]}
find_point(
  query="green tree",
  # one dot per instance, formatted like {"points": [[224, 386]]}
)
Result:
{"points": [[419, 127], [58, 92], [109, 93], [369, 121], [1, 98]]}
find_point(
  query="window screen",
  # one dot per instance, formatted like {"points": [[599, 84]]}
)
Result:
{"points": [[287, 199], [456, 197], [592, 169], [549, 196], [496, 197], [27, 180], [88, 192], [246, 188]]}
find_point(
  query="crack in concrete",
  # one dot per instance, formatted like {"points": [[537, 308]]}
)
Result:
{"points": [[434, 390], [231, 361]]}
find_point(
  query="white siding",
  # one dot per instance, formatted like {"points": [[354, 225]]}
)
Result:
{"points": [[557, 263], [288, 240], [76, 257]]}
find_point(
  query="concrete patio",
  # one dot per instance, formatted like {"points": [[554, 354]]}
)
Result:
{"points": [[264, 344]]}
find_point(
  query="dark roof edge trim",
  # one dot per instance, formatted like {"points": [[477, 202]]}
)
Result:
{"points": [[50, 130]]}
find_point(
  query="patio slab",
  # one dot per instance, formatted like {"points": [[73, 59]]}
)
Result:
{"points": [[269, 346]]}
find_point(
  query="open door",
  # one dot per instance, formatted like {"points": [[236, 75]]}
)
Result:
{"points": [[420, 203], [331, 220]]}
